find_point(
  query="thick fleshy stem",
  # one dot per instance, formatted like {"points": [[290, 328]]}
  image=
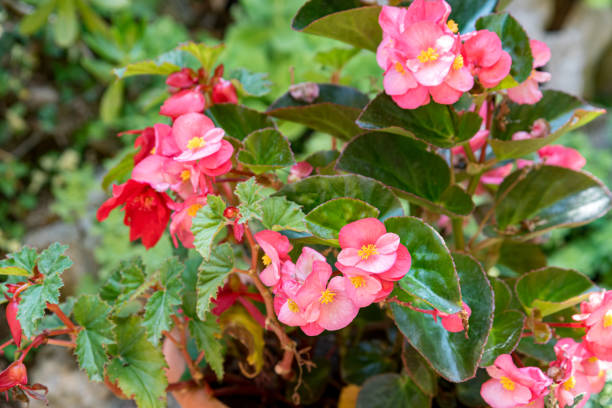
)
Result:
{"points": [[458, 233], [65, 319]]}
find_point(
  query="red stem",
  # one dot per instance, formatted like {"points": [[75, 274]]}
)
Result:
{"points": [[56, 309], [62, 343], [577, 325]]}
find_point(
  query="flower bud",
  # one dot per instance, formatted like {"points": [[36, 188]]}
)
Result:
{"points": [[11, 317], [224, 92]]}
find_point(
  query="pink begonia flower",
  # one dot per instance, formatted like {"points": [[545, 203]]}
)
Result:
{"points": [[276, 249], [183, 102], [522, 135], [436, 11], [224, 92], [145, 142], [557, 155], [165, 144], [163, 173], [454, 322], [596, 314], [361, 287], [528, 91], [476, 142], [497, 175], [217, 163], [185, 78], [512, 387], [196, 136], [299, 171], [521, 163], [180, 226], [486, 58], [367, 246], [400, 268]]}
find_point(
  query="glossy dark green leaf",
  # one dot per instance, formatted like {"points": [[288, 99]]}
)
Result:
{"points": [[391, 390], [326, 220], [521, 257], [343, 20], [552, 289], [334, 111], [514, 41], [313, 191], [366, 359], [504, 336], [419, 370], [266, 150], [406, 166], [452, 355], [432, 276], [503, 293], [433, 123], [542, 352], [466, 12], [211, 276], [562, 111], [321, 159], [238, 121], [541, 198]]}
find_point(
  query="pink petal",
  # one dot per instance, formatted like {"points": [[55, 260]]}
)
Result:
{"points": [[188, 126], [557, 155], [312, 329], [527, 92], [186, 101], [278, 241], [540, 53], [483, 49], [460, 79], [400, 267], [419, 37], [490, 77], [433, 73], [151, 170], [164, 143], [396, 83], [366, 291], [436, 11], [412, 99], [445, 94], [494, 394], [377, 263], [387, 243], [218, 158], [338, 313], [290, 318], [362, 232]]}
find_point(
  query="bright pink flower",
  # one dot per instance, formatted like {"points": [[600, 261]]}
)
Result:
{"points": [[196, 136], [476, 142], [400, 268], [486, 58], [557, 155], [146, 210], [367, 246], [436, 11], [458, 81], [183, 102], [185, 78], [454, 322], [180, 226], [224, 92], [402, 86], [512, 387], [276, 249], [497, 175], [219, 162], [361, 287], [145, 141], [164, 142], [163, 173], [299, 171], [528, 91], [597, 316]]}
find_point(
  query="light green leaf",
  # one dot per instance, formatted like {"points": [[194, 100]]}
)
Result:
{"points": [[336, 58], [266, 150], [34, 300], [211, 276], [277, 214], [120, 171], [251, 196], [14, 270], [207, 334], [165, 64], [24, 259], [92, 21], [52, 261], [207, 223], [206, 54], [112, 101], [66, 27], [33, 22], [249, 83], [161, 305]]}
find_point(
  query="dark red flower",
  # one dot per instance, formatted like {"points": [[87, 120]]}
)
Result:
{"points": [[145, 140], [146, 210], [11, 316], [14, 375]]}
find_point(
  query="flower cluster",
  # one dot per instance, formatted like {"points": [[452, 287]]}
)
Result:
{"points": [[424, 56], [306, 293], [580, 367], [183, 158]]}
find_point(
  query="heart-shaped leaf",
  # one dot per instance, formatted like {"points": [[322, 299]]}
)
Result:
{"points": [[406, 166], [391, 390], [334, 111], [552, 289], [466, 12], [504, 336], [419, 370], [433, 123], [266, 150], [538, 199], [453, 355], [521, 257], [238, 121], [343, 20], [432, 276]]}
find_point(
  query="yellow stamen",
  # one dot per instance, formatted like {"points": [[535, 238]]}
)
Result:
{"points": [[431, 54], [357, 281], [399, 68], [193, 210], [570, 383], [293, 306], [507, 383], [327, 296], [367, 250], [452, 26], [153, 150], [195, 142], [266, 260], [592, 359], [185, 175], [458, 62], [607, 320]]}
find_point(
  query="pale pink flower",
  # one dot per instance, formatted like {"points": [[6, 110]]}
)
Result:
{"points": [[163, 173], [219, 162], [557, 155], [486, 58], [182, 102], [476, 142], [512, 387], [299, 171], [196, 136], [596, 314], [361, 287], [528, 91], [276, 249], [180, 226], [294, 275]]}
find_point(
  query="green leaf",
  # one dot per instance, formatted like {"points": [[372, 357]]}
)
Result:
{"points": [[315, 190], [120, 171], [541, 198], [552, 289], [52, 260], [326, 220], [164, 64], [391, 390], [466, 12], [33, 22], [190, 282], [454, 356], [249, 83], [24, 259], [251, 196], [503, 294], [562, 111], [342, 20], [137, 365], [34, 300], [278, 214], [366, 359], [334, 111], [266, 150], [207, 334], [336, 58], [406, 166], [14, 270], [112, 101], [238, 121], [433, 123], [432, 276], [161, 305], [91, 313], [514, 41], [124, 286], [92, 21], [211, 276], [521, 257], [504, 336], [542, 352], [207, 55], [66, 27], [207, 223], [419, 370]]}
